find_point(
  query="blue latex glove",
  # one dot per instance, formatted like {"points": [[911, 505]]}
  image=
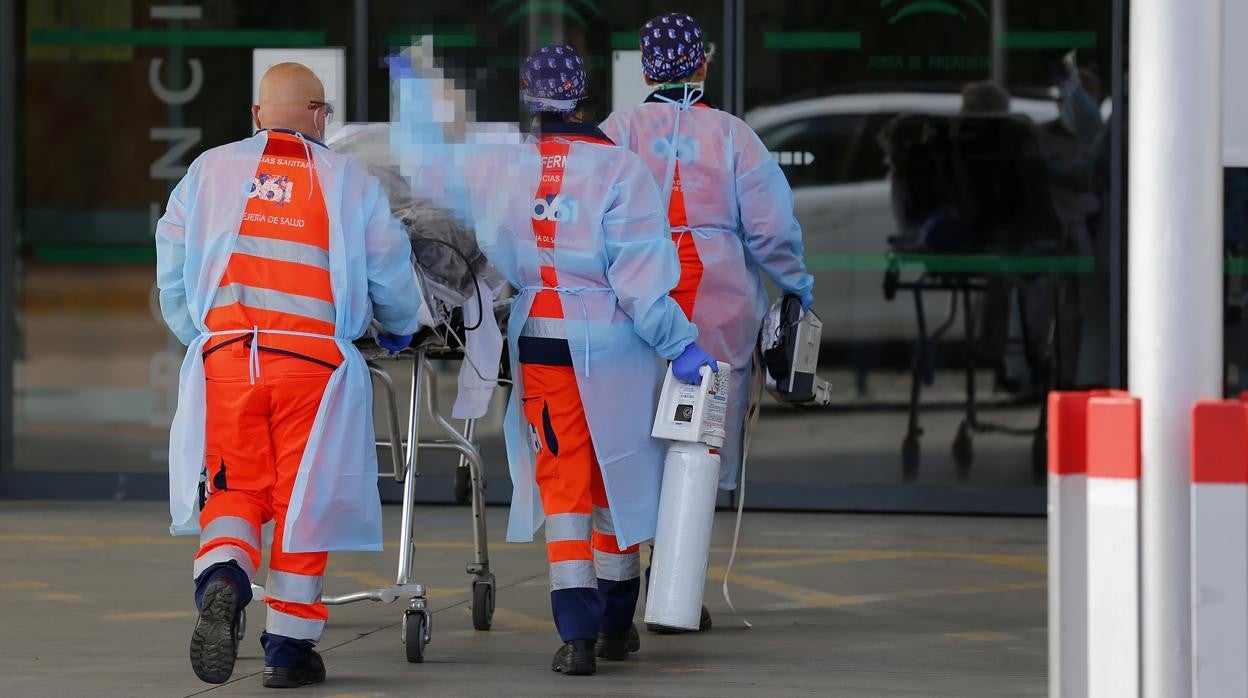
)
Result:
{"points": [[687, 367], [808, 300], [393, 343]]}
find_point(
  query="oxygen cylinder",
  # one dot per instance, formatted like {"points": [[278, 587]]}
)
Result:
{"points": [[682, 542], [692, 417]]}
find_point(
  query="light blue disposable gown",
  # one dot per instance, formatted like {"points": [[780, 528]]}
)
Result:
{"points": [[616, 266], [740, 213], [335, 503]]}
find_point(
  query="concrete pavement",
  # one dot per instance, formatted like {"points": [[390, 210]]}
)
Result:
{"points": [[96, 600]]}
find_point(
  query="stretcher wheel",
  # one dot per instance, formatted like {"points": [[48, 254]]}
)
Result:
{"points": [[463, 485], [963, 448], [891, 278], [415, 635], [482, 605], [910, 458]]}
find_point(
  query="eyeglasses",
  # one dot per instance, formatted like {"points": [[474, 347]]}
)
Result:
{"points": [[313, 105]]}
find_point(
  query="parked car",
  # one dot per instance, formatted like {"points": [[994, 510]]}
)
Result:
{"points": [[828, 149]]}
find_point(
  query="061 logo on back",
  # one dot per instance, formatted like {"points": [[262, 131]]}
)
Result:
{"points": [[271, 188], [558, 208]]}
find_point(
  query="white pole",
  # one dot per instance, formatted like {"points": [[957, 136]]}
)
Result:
{"points": [[1174, 299]]}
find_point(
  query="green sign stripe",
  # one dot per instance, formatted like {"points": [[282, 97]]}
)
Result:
{"points": [[95, 254], [175, 37], [1235, 266], [1003, 264], [625, 41], [1060, 40], [805, 41]]}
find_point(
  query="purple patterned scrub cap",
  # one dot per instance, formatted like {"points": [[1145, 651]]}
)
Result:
{"points": [[671, 47], [553, 79]]}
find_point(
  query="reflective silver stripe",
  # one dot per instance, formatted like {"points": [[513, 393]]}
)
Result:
{"points": [[282, 251], [230, 527], [544, 328], [567, 527], [286, 625], [603, 522], [572, 574], [617, 568], [268, 299], [545, 257], [295, 588], [224, 553]]}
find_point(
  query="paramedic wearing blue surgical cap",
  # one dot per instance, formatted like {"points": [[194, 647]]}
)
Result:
{"points": [[577, 226], [730, 211]]}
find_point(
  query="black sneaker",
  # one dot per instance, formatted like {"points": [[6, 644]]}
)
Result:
{"points": [[575, 658], [214, 643], [704, 624], [618, 648], [311, 671]]}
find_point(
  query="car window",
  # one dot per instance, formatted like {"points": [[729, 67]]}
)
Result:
{"points": [[813, 151]]}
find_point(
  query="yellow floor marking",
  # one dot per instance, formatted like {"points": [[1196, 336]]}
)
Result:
{"points": [[57, 596], [366, 579], [1026, 563], [805, 556], [507, 620], [191, 540], [23, 586], [792, 592], [96, 540], [149, 615], [826, 559], [804, 597], [980, 636]]}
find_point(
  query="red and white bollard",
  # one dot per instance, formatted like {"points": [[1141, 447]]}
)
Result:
{"points": [[1220, 549], [1068, 544], [1113, 546]]}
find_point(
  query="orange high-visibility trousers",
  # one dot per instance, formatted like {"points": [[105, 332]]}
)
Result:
{"points": [[256, 434], [594, 583]]}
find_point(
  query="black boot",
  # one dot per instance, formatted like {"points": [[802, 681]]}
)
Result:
{"points": [[704, 624], [214, 643], [311, 671], [618, 648], [575, 658]]}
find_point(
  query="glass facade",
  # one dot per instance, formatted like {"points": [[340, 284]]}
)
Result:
{"points": [[962, 226]]}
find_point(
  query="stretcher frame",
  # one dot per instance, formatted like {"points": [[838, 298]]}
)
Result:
{"points": [[417, 625], [966, 285]]}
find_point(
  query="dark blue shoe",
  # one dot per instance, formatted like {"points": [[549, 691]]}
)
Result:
{"points": [[214, 643], [618, 648], [311, 671]]}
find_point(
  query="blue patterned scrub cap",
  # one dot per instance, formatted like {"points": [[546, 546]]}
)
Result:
{"points": [[553, 79], [671, 47]]}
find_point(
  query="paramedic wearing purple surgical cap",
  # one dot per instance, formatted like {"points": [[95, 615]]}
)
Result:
{"points": [[584, 240], [729, 207]]}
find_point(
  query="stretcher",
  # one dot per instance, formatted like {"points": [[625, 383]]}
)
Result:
{"points": [[972, 200], [430, 345]]}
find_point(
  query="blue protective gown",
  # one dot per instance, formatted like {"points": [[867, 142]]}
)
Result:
{"points": [[335, 503], [740, 212], [616, 265]]}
